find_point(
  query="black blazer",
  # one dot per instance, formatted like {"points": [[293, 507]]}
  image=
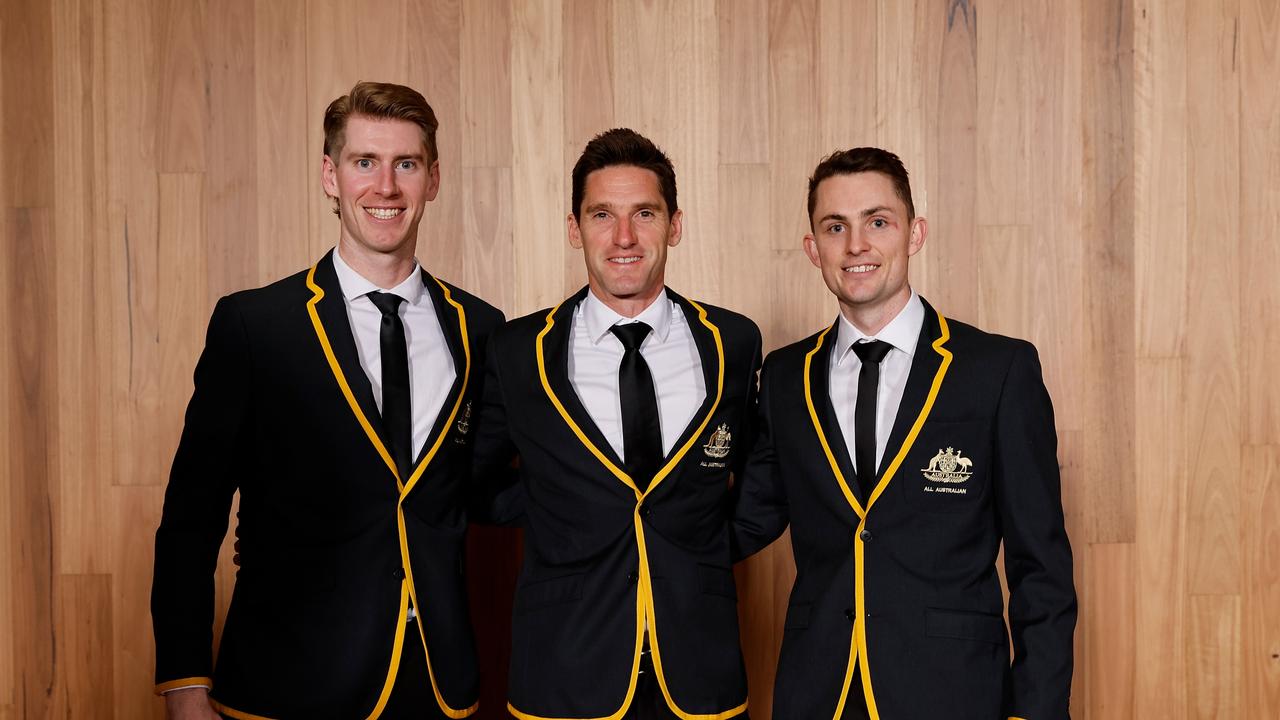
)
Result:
{"points": [[897, 594], [335, 547], [602, 559]]}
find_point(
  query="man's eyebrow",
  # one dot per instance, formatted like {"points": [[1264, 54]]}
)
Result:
{"points": [[876, 211], [833, 216]]}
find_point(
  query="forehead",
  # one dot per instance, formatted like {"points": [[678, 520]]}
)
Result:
{"points": [[382, 136], [622, 183], [853, 192]]}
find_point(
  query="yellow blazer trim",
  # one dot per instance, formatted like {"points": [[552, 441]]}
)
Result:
{"points": [[858, 639], [232, 712], [166, 686], [408, 590], [644, 588]]}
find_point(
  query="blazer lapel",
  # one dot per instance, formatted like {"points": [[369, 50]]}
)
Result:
{"points": [[336, 325], [452, 323], [832, 434], [928, 369], [924, 366], [711, 354], [555, 366]]}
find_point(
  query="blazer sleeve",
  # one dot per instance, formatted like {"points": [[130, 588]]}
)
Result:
{"points": [[496, 496], [196, 505], [1042, 599], [760, 511]]}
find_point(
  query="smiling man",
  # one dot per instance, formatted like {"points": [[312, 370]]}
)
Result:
{"points": [[903, 447], [335, 402], [629, 407]]}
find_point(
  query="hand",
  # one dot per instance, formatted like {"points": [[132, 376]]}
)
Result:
{"points": [[189, 704]]}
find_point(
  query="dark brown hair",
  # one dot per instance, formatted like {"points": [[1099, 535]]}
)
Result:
{"points": [[623, 146], [383, 101], [859, 160]]}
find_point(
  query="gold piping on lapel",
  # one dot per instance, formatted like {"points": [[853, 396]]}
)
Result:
{"points": [[582, 437], [858, 641], [317, 296], [644, 589]]}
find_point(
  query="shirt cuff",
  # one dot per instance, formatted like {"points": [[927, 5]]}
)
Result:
{"points": [[183, 684]]}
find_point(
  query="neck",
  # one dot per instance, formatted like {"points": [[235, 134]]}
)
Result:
{"points": [[872, 319], [386, 270]]}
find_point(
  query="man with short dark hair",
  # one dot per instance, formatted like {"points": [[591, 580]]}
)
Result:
{"points": [[629, 407], [903, 447], [336, 402]]}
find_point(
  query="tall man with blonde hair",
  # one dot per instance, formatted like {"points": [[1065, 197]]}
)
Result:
{"points": [[335, 401]]}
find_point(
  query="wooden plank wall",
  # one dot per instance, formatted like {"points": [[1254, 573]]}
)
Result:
{"points": [[1102, 177]]}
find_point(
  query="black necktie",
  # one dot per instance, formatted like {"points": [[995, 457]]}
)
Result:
{"points": [[864, 414], [641, 433], [397, 418]]}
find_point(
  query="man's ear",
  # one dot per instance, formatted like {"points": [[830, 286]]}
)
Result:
{"points": [[677, 223], [575, 233], [433, 180], [811, 249], [919, 231], [329, 177]]}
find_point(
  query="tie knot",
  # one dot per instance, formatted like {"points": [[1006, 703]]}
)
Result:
{"points": [[631, 334], [872, 352], [388, 303]]}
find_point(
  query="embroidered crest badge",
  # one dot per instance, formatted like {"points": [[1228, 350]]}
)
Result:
{"points": [[948, 466], [718, 445], [464, 423]]}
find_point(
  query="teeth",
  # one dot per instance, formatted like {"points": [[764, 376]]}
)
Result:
{"points": [[625, 260], [860, 268], [383, 213]]}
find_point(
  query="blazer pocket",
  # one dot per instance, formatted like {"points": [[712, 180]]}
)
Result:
{"points": [[714, 580], [553, 591], [964, 625], [798, 617]]}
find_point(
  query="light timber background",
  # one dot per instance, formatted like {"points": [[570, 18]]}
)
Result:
{"points": [[1101, 177]]}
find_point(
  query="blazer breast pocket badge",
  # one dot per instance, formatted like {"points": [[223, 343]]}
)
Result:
{"points": [[717, 447], [949, 469], [464, 424]]}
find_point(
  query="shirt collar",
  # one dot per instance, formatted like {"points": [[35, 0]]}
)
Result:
{"points": [[354, 285], [902, 332], [598, 317]]}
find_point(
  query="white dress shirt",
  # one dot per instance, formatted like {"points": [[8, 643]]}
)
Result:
{"points": [[902, 333], [431, 369], [669, 350]]}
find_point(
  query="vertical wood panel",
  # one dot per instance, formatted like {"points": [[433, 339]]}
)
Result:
{"points": [[744, 79], [1109, 605], [184, 84], [286, 170], [1161, 248], [537, 99], [1161, 477], [1260, 211], [30, 418], [1004, 89], [434, 66], [1213, 314], [1213, 662], [85, 683], [486, 83], [952, 192], [1261, 602], [793, 127], [1108, 344], [589, 96], [231, 246]]}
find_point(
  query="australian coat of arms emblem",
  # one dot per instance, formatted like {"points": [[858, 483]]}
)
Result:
{"points": [[948, 466], [718, 445], [464, 423]]}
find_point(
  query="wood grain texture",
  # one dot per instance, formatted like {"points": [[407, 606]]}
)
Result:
{"points": [[1101, 177]]}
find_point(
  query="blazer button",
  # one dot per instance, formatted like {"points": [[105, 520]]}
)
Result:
{"points": [[848, 613], [644, 511], [398, 573], [865, 535]]}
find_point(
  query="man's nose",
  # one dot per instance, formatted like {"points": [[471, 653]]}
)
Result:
{"points": [[386, 181], [625, 236]]}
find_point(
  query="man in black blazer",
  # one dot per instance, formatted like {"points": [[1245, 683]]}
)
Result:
{"points": [[904, 447], [629, 407], [337, 402]]}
